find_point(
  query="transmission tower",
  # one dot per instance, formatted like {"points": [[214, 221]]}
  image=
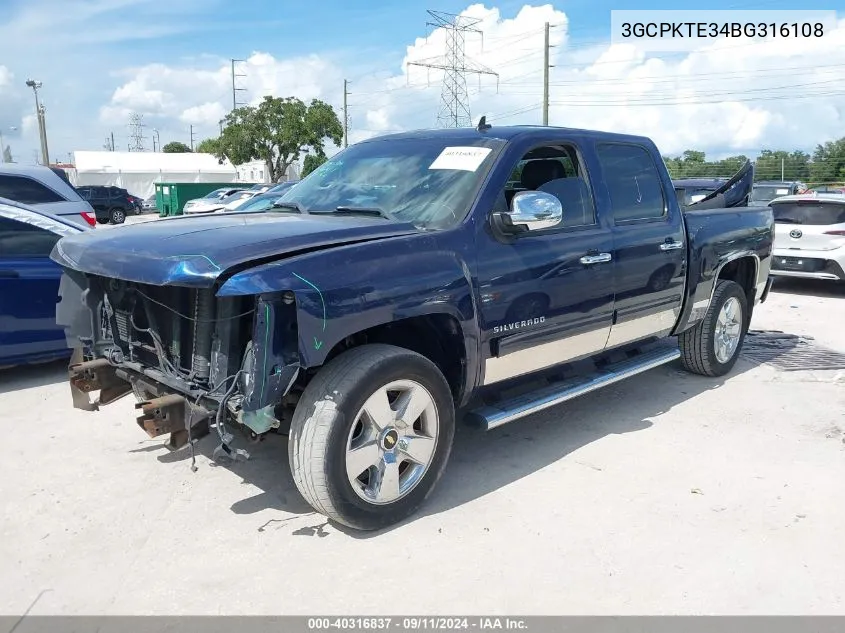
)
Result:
{"points": [[136, 132], [454, 98], [235, 88]]}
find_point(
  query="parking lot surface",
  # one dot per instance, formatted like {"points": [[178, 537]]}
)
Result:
{"points": [[667, 493]]}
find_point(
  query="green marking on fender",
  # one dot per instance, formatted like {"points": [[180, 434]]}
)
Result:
{"points": [[266, 345], [206, 258], [317, 343]]}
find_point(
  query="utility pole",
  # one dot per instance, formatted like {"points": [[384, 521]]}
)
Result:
{"points": [[39, 112], [192, 138], [454, 107], [782, 170], [112, 141], [546, 76], [345, 114], [235, 89]]}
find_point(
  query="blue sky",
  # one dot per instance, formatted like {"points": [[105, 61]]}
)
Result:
{"points": [[94, 58]]}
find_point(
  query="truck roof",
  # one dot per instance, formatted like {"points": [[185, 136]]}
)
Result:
{"points": [[510, 132]]}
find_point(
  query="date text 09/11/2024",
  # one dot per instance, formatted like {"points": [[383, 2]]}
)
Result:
{"points": [[416, 623]]}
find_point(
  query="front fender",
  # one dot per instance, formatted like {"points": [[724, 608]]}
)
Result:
{"points": [[342, 291]]}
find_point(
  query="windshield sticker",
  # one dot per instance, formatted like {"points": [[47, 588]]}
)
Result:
{"points": [[462, 158], [782, 192], [697, 197]]}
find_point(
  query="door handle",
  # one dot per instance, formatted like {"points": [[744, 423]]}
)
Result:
{"points": [[9, 274], [598, 258], [671, 246]]}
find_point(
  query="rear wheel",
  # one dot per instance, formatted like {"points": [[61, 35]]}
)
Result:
{"points": [[117, 216], [371, 436], [712, 347]]}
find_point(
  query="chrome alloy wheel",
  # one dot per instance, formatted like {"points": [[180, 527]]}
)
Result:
{"points": [[392, 441], [728, 330]]}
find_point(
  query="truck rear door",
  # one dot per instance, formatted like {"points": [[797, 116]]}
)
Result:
{"points": [[649, 242], [545, 296]]}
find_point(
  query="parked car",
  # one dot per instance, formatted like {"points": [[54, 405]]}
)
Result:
{"points": [[692, 190], [236, 200], [211, 201], [374, 305], [282, 186], [256, 204], [702, 193], [810, 236], [42, 189], [29, 284], [110, 203], [149, 205], [767, 190]]}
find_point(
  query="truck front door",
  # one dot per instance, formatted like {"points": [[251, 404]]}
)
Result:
{"points": [[545, 297]]}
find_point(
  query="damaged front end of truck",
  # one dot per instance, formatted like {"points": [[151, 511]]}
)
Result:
{"points": [[189, 356]]}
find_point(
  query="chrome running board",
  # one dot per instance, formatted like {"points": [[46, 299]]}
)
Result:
{"points": [[491, 416]]}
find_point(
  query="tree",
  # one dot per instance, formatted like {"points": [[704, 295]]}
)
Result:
{"points": [[277, 131], [311, 162], [175, 147], [774, 165], [828, 164], [209, 146]]}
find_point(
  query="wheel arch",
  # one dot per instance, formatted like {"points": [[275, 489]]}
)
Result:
{"points": [[438, 336]]}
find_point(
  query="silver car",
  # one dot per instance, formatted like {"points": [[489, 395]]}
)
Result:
{"points": [[41, 188]]}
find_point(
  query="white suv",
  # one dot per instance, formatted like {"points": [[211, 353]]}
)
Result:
{"points": [[809, 236]]}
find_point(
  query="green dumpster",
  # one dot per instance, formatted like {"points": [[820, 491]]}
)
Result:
{"points": [[172, 196]]}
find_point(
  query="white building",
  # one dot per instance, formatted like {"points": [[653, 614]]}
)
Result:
{"points": [[137, 172], [256, 171]]}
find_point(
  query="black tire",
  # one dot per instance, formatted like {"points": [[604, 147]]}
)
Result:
{"points": [[698, 344], [117, 216], [324, 419]]}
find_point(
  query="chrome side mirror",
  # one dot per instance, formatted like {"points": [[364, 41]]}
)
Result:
{"points": [[530, 211]]}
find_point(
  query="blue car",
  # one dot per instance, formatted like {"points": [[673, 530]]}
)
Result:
{"points": [[29, 284]]}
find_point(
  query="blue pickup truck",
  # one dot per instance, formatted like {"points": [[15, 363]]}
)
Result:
{"points": [[412, 280]]}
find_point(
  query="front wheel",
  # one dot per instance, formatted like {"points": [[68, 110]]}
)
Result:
{"points": [[371, 436], [712, 347]]}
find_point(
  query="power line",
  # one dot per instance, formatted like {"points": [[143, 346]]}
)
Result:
{"points": [[454, 107]]}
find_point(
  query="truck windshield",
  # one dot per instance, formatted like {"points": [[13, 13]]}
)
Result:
{"points": [[429, 182]]}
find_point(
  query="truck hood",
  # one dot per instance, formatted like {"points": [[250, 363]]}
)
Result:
{"points": [[196, 251]]}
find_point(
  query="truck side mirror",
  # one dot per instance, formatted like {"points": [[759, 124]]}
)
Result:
{"points": [[530, 211]]}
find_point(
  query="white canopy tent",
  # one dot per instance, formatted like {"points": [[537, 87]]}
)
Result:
{"points": [[137, 172]]}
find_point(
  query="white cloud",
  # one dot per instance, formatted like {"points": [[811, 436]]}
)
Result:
{"points": [[722, 98]]}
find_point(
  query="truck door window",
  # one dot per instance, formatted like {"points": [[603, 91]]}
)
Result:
{"points": [[633, 182], [555, 170]]}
